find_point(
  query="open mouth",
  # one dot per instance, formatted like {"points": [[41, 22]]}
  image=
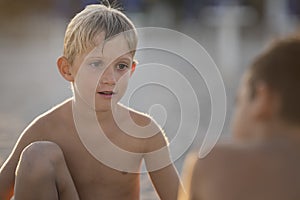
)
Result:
{"points": [[106, 93]]}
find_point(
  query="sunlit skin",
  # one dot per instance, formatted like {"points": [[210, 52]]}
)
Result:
{"points": [[99, 77]]}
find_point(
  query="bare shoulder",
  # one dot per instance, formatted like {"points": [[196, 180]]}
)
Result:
{"points": [[140, 118], [221, 167], [225, 162], [231, 163], [227, 166], [41, 126], [224, 159], [37, 130], [148, 129], [241, 156]]}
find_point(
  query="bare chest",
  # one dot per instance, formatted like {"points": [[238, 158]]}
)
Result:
{"points": [[102, 167], [97, 178]]}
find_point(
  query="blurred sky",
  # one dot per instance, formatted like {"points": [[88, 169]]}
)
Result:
{"points": [[31, 39]]}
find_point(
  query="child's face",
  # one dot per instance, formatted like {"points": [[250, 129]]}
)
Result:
{"points": [[254, 114], [102, 74], [242, 123]]}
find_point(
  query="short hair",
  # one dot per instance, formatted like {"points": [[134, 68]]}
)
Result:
{"points": [[279, 68], [86, 25]]}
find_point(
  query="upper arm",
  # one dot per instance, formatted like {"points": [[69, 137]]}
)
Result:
{"points": [[160, 167], [166, 182], [157, 155], [7, 171], [188, 173], [192, 172]]}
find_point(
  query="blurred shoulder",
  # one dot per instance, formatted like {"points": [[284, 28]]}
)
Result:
{"points": [[225, 157]]}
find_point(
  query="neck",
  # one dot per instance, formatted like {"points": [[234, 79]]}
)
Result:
{"points": [[88, 112]]}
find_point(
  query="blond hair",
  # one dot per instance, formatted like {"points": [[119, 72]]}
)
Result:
{"points": [[86, 25]]}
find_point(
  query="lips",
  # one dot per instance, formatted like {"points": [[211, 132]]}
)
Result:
{"points": [[106, 94]]}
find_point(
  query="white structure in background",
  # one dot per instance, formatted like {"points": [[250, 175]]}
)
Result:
{"points": [[228, 19], [277, 17]]}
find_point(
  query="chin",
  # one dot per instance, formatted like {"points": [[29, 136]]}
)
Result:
{"points": [[102, 107]]}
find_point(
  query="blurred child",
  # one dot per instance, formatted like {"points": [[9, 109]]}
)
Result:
{"points": [[263, 161]]}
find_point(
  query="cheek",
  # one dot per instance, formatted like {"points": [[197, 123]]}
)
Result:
{"points": [[121, 86], [243, 125], [239, 124], [235, 123], [89, 76], [86, 85], [123, 79]]}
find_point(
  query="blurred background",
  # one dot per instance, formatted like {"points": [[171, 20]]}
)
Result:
{"points": [[233, 32]]}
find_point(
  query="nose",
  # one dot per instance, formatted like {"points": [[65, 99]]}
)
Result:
{"points": [[108, 76]]}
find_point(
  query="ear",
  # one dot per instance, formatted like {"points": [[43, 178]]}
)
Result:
{"points": [[133, 66], [265, 102], [64, 68]]}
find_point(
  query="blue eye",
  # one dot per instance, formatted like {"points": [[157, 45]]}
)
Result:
{"points": [[95, 64], [122, 66]]}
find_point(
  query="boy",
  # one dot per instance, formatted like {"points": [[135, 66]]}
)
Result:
{"points": [[91, 147], [263, 163]]}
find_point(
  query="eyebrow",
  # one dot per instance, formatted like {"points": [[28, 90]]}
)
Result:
{"points": [[127, 56], [98, 59], [90, 60], [94, 57]]}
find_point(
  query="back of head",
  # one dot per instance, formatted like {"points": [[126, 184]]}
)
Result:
{"points": [[279, 68], [90, 22]]}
